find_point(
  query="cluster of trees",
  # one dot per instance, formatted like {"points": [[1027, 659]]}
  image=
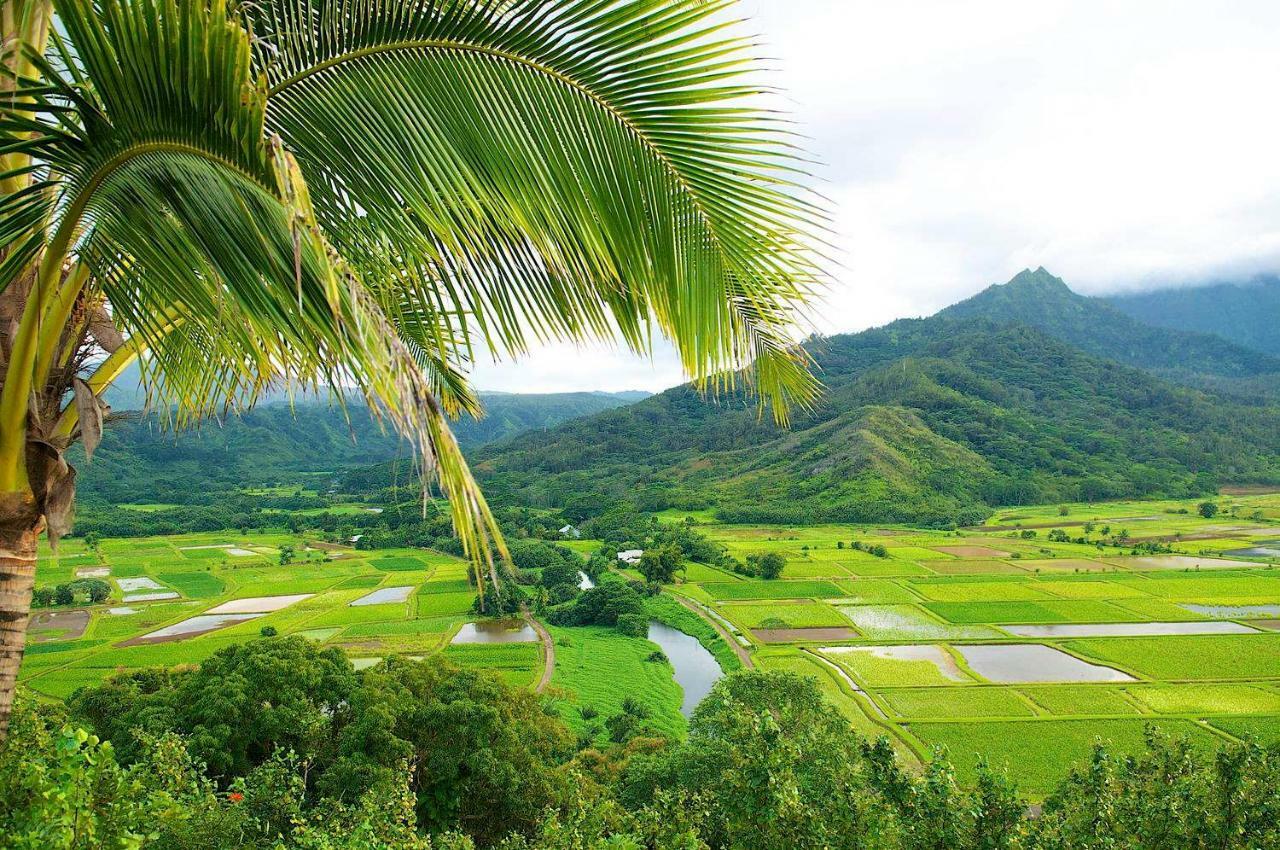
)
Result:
{"points": [[278, 745], [79, 592]]}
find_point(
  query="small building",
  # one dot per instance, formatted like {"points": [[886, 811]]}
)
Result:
{"points": [[631, 557], [355, 539], [570, 532]]}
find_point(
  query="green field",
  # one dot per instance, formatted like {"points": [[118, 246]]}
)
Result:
{"points": [[916, 610]]}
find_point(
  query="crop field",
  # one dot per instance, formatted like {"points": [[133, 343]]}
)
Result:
{"points": [[934, 593], [996, 641], [213, 569]]}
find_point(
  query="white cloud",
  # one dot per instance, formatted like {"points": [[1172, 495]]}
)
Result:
{"points": [[1121, 145]]}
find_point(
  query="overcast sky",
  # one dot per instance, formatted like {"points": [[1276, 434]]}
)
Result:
{"points": [[1121, 145]]}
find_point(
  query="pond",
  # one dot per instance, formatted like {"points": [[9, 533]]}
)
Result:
{"points": [[584, 581], [496, 631], [1072, 630], [696, 669], [1033, 662]]}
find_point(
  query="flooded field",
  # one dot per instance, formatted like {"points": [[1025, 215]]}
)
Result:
{"points": [[1263, 549], [907, 622], [129, 585], [383, 596], [816, 635], [496, 631], [258, 604], [93, 572], [1185, 562], [1072, 630], [1033, 662], [931, 654], [695, 668], [191, 627], [1234, 612], [150, 597]]}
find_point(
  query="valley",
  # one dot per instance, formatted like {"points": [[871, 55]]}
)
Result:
{"points": [[1024, 640]]}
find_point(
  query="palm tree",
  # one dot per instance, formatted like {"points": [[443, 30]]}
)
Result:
{"points": [[363, 197]]}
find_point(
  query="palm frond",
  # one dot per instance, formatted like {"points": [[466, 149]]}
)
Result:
{"points": [[167, 185], [549, 169]]}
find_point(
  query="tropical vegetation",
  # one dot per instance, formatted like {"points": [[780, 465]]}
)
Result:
{"points": [[360, 199]]}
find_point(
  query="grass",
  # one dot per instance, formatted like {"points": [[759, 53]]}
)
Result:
{"points": [[878, 672], [598, 666], [957, 702], [791, 616], [1208, 699], [1187, 658], [398, 564], [1076, 611], [1038, 753], [442, 604], [773, 590], [194, 585], [1264, 730], [1080, 700]]}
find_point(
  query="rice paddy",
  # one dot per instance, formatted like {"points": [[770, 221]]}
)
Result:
{"points": [[995, 640]]}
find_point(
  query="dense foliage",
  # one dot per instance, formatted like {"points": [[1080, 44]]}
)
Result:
{"points": [[1244, 313], [411, 756]]}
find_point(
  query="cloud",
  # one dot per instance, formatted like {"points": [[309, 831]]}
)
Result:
{"points": [[1120, 145]]}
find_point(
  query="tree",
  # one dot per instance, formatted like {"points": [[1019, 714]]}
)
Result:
{"points": [[659, 565], [768, 565], [286, 555], [267, 193], [1208, 510]]}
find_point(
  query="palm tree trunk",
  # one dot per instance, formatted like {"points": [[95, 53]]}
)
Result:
{"points": [[20, 527]]}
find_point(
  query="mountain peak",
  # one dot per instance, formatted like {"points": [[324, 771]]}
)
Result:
{"points": [[1040, 279]]}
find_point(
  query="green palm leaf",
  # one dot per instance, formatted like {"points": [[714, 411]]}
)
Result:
{"points": [[554, 169]]}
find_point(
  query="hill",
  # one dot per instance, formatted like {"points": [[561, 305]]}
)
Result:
{"points": [[932, 420], [139, 461], [1188, 355], [1245, 313]]}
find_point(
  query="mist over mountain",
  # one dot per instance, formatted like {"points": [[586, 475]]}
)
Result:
{"points": [[1246, 313]]}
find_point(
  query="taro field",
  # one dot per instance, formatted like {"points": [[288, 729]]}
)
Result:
{"points": [[176, 600], [1000, 642]]}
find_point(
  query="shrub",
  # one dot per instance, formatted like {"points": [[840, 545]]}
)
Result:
{"points": [[633, 625]]}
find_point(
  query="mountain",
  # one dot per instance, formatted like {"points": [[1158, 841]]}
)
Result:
{"points": [[1189, 355], [929, 421], [1247, 313], [139, 461]]}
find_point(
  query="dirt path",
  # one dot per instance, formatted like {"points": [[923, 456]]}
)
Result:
{"points": [[548, 651], [738, 649]]}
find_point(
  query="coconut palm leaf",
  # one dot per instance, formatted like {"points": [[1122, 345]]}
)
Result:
{"points": [[553, 169]]}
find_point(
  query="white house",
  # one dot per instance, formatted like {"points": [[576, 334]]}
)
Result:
{"points": [[631, 556], [570, 531]]}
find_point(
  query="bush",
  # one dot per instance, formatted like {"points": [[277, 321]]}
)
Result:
{"points": [[268, 631], [633, 625]]}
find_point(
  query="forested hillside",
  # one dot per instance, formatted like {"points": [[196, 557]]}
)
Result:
{"points": [[139, 460], [926, 421], [1189, 355], [1245, 313]]}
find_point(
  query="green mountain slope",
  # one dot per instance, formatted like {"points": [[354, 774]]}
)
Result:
{"points": [[139, 461], [1245, 313], [1039, 299], [931, 420]]}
